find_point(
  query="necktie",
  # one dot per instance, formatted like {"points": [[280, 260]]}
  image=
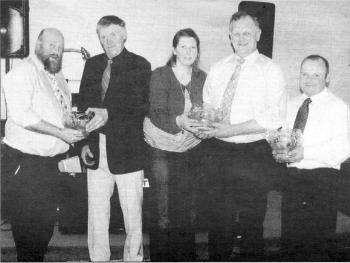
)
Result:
{"points": [[59, 94], [105, 79], [303, 112], [230, 91]]}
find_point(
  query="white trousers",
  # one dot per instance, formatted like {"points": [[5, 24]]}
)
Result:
{"points": [[100, 189]]}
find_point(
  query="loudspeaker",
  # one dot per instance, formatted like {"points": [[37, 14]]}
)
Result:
{"points": [[265, 13], [14, 28]]}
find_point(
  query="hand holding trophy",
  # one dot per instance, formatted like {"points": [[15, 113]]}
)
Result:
{"points": [[284, 141], [77, 120], [206, 114]]}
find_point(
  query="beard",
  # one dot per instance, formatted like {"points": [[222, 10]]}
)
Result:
{"points": [[53, 66], [52, 63]]}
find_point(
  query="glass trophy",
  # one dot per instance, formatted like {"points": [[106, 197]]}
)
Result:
{"points": [[77, 120], [205, 114], [283, 141]]}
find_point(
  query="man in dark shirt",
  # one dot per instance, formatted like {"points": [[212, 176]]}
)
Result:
{"points": [[115, 87]]}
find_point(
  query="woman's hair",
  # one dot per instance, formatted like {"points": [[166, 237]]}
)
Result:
{"points": [[187, 32]]}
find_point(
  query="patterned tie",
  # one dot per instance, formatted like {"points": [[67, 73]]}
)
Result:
{"points": [[105, 79], [230, 91], [59, 94], [303, 113]]}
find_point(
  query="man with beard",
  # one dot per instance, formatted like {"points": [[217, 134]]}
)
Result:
{"points": [[37, 96]]}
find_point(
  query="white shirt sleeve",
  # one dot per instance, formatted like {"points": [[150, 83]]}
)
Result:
{"points": [[18, 88], [273, 114], [336, 149], [206, 91]]}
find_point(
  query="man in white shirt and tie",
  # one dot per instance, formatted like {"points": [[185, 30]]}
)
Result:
{"points": [[37, 96], [248, 88], [309, 209]]}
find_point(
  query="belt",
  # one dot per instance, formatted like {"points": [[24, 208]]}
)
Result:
{"points": [[11, 152]]}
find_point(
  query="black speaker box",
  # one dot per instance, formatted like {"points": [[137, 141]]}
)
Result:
{"points": [[14, 28], [265, 13]]}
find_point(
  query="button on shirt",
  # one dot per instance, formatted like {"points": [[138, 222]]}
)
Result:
{"points": [[325, 137], [29, 99], [260, 93]]}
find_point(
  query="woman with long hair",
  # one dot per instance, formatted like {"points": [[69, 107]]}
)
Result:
{"points": [[175, 89]]}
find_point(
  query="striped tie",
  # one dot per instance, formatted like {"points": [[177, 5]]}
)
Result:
{"points": [[105, 79], [59, 94], [230, 91], [303, 113]]}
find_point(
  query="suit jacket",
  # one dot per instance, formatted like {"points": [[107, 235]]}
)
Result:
{"points": [[126, 101]]}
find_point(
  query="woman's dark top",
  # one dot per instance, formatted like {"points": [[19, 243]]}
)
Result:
{"points": [[167, 99]]}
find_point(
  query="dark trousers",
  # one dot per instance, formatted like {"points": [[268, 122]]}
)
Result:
{"points": [[32, 185], [309, 210], [173, 184], [239, 178]]}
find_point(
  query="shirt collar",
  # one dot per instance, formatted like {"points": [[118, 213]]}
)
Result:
{"points": [[122, 55], [40, 66], [316, 98], [250, 59], [38, 62]]}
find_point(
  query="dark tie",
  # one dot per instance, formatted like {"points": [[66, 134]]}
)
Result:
{"points": [[303, 112], [229, 94], [105, 79]]}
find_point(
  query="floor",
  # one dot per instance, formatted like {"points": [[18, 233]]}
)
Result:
{"points": [[272, 229]]}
